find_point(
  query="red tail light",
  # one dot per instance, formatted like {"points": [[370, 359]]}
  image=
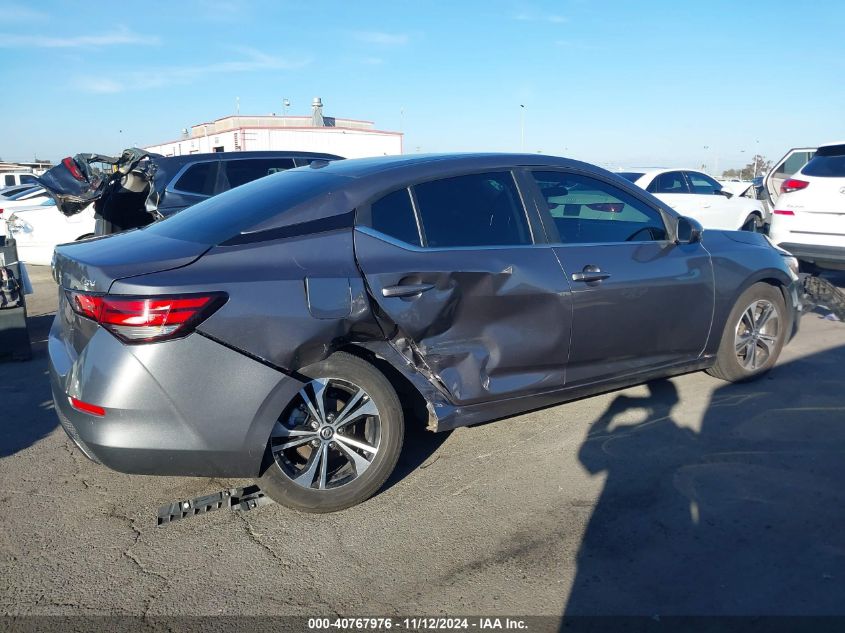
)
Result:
{"points": [[87, 407], [147, 319], [793, 184], [72, 167], [783, 212]]}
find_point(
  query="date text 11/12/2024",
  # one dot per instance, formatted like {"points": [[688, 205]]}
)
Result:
{"points": [[416, 624]]}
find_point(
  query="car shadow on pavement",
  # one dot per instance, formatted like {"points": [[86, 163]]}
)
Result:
{"points": [[741, 517], [26, 404]]}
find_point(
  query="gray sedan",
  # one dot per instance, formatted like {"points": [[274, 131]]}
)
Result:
{"points": [[288, 330]]}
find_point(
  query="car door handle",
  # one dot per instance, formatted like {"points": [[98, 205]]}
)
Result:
{"points": [[590, 274], [405, 290]]}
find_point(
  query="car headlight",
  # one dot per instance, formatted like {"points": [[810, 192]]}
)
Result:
{"points": [[16, 225]]}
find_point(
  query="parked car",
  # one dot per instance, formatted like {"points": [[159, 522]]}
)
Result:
{"points": [[809, 214], [7, 192], [27, 198], [37, 230], [699, 196], [137, 188], [288, 329], [10, 178]]}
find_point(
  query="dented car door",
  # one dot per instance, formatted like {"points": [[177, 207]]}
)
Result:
{"points": [[463, 289]]}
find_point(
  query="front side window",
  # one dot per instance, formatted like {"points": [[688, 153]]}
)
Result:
{"points": [[703, 184], [670, 182], [472, 210], [393, 215], [239, 172], [198, 178], [590, 211]]}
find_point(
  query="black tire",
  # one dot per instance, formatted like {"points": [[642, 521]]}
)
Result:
{"points": [[728, 363], [351, 370], [753, 224]]}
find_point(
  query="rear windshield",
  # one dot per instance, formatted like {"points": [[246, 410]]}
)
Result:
{"points": [[633, 176], [825, 166], [217, 219]]}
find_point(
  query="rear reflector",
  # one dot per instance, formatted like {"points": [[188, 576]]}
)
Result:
{"points": [[783, 212], [146, 319], [87, 407], [793, 184]]}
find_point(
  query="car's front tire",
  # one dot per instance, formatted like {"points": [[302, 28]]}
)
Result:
{"points": [[753, 223], [339, 440], [753, 336]]}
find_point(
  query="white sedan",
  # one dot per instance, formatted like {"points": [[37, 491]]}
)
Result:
{"points": [[27, 198], [699, 196], [39, 229]]}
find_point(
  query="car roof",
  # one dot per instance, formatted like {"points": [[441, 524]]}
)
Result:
{"points": [[420, 163]]}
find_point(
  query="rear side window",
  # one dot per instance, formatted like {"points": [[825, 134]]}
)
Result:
{"points": [[223, 216], [393, 215], [198, 179], [670, 182], [826, 167], [472, 210], [586, 210], [10, 180], [239, 172]]}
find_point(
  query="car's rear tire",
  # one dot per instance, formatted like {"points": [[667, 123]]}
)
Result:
{"points": [[753, 336], [328, 466]]}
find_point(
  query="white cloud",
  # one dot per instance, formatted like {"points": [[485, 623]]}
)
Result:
{"points": [[146, 79], [116, 36], [381, 38]]}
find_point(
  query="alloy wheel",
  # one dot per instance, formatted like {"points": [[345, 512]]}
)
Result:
{"points": [[329, 436], [757, 334]]}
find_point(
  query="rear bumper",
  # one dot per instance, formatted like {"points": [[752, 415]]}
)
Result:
{"points": [[815, 252], [187, 407]]}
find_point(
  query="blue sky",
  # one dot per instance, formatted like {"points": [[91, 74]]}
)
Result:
{"points": [[616, 83]]}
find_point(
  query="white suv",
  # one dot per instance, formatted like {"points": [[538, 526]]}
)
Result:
{"points": [[808, 218]]}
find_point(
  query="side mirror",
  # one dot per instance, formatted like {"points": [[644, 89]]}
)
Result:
{"points": [[722, 192], [687, 231]]}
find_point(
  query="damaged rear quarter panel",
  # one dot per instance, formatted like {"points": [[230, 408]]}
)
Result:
{"points": [[292, 301]]}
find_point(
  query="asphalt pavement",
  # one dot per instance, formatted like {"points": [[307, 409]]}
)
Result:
{"points": [[685, 496]]}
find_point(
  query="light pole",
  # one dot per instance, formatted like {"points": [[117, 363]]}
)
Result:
{"points": [[521, 127], [285, 105]]}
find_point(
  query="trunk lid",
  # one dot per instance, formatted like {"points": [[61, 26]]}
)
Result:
{"points": [[94, 265], [118, 187]]}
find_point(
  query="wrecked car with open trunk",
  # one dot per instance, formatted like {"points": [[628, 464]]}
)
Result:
{"points": [[136, 188]]}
